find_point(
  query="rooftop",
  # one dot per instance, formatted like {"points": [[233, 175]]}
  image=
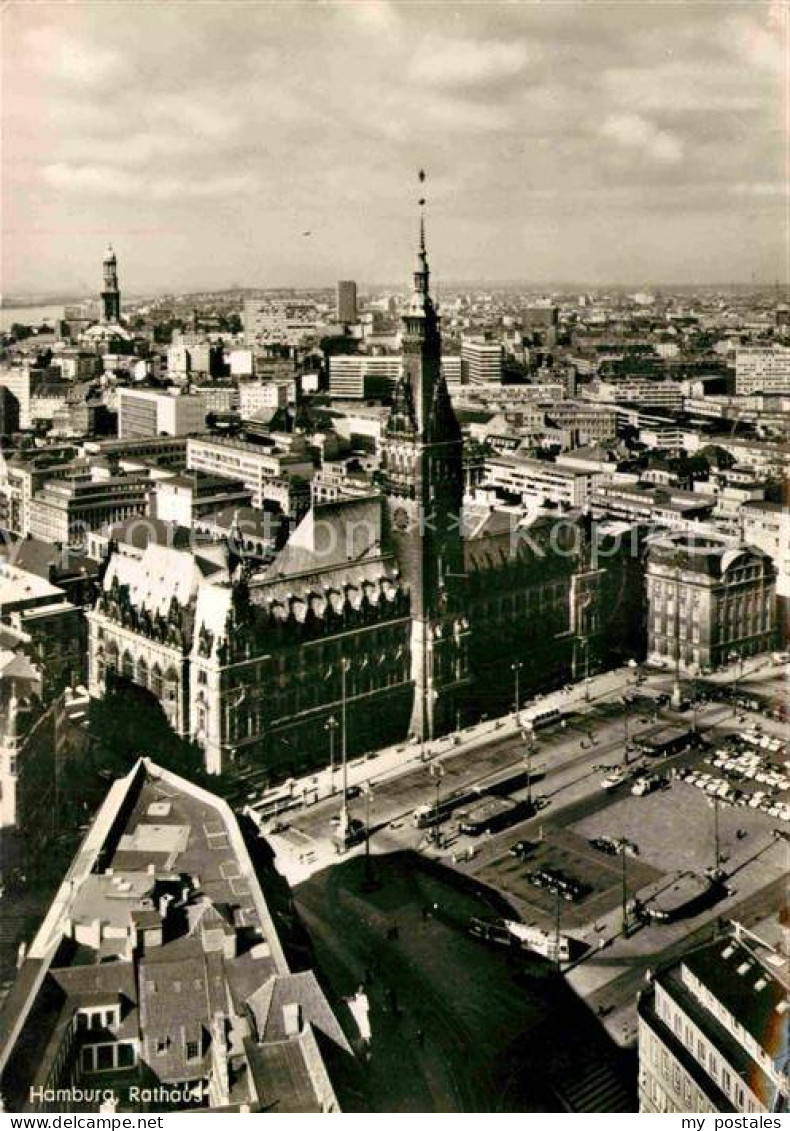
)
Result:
{"points": [[161, 925]]}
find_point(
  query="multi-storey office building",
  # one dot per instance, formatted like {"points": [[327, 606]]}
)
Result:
{"points": [[347, 301], [256, 465], [264, 397], [540, 481], [481, 361], [762, 369], [709, 600], [713, 1030], [637, 390], [64, 510], [147, 412], [285, 321], [353, 376]]}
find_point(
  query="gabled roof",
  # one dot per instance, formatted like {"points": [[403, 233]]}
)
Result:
{"points": [[270, 1001], [160, 576], [331, 534]]}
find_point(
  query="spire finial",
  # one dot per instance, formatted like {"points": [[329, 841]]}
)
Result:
{"points": [[421, 178]]}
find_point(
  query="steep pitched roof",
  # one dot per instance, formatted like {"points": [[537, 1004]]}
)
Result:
{"points": [[269, 1002]]}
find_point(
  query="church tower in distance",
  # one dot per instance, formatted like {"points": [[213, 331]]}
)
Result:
{"points": [[110, 296], [422, 477]]}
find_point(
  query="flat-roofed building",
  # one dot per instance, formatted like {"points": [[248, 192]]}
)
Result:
{"points": [[354, 376], [592, 423], [158, 451], [285, 321], [183, 498], [637, 390], [482, 361], [762, 369], [254, 464], [218, 396], [64, 510], [149, 412], [347, 301], [18, 379], [539, 481], [263, 398], [713, 1030]]}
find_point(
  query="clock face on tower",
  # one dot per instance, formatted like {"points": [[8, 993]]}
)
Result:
{"points": [[400, 519]]}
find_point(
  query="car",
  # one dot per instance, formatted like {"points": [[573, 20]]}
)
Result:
{"points": [[605, 844], [612, 780], [522, 848], [645, 784]]}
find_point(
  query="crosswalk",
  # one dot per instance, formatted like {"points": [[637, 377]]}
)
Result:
{"points": [[596, 1088]]}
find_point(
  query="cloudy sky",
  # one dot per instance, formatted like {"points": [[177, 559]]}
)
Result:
{"points": [[600, 142]]}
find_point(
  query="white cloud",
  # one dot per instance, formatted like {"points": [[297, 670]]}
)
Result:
{"points": [[106, 180], [760, 189], [764, 47], [374, 16], [680, 86], [635, 132], [57, 54], [466, 62]]}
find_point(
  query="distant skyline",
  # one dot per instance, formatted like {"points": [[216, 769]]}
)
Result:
{"points": [[602, 143]]}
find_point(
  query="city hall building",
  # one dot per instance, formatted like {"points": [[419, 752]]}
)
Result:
{"points": [[397, 612]]}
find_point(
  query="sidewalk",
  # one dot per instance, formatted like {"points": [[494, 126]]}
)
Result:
{"points": [[395, 760]]}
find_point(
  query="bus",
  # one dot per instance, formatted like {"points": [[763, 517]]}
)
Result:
{"points": [[491, 815], [539, 717], [432, 814]]}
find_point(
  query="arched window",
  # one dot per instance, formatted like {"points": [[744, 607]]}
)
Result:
{"points": [[171, 684], [127, 665], [156, 681], [142, 672]]}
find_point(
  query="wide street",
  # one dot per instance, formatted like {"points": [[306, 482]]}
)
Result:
{"points": [[674, 830]]}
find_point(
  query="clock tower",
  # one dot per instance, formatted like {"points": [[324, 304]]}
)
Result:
{"points": [[422, 477], [111, 295]]}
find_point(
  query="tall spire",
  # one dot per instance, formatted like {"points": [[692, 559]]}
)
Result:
{"points": [[422, 273]]}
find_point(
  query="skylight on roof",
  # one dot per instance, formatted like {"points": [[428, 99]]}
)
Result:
{"points": [[783, 1006], [760, 984], [744, 967], [728, 952]]}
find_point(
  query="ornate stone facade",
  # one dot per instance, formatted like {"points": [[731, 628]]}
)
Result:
{"points": [[391, 611]]}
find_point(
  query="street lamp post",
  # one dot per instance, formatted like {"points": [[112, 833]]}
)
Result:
{"points": [[344, 816], [437, 772], [529, 748], [586, 644], [516, 669], [716, 838], [368, 872], [627, 736], [737, 658], [624, 893], [331, 726]]}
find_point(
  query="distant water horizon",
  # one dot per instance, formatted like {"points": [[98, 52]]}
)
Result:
{"points": [[30, 315]]}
